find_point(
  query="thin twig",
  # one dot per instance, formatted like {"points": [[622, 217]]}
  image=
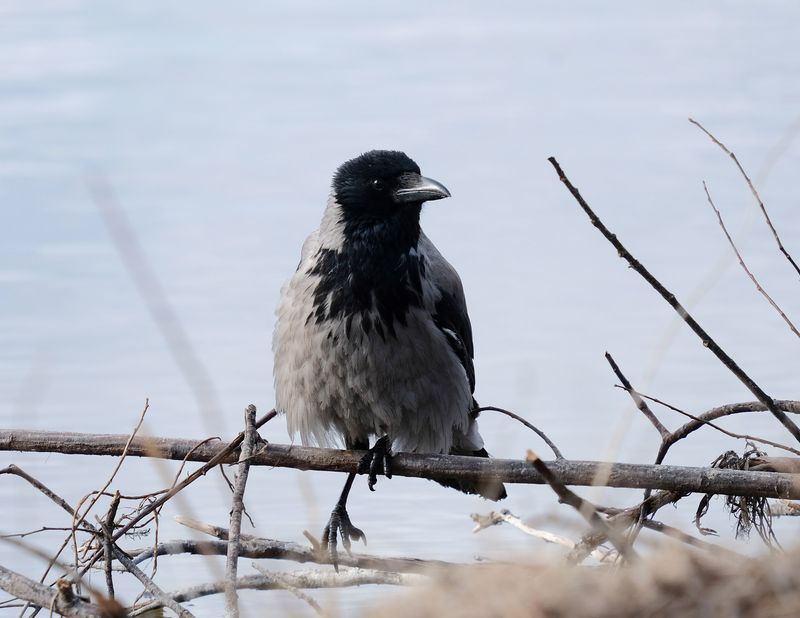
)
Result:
{"points": [[732, 434], [744, 266], [108, 530], [237, 506], [708, 342], [650, 415], [640, 403], [530, 426], [752, 190]]}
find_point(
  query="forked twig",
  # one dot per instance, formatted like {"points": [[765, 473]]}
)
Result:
{"points": [[744, 266], [752, 190]]}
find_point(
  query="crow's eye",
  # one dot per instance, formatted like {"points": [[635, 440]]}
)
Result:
{"points": [[377, 184]]}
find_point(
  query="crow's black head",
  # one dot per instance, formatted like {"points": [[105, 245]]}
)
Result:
{"points": [[379, 184]]}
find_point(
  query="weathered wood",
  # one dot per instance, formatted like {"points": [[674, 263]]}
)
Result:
{"points": [[674, 478], [569, 472]]}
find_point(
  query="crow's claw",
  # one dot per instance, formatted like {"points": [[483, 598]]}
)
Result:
{"points": [[339, 525], [377, 460]]}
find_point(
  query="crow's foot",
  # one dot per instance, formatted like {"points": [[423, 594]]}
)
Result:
{"points": [[339, 525], [378, 459]]}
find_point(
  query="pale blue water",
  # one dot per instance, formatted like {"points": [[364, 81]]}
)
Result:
{"points": [[219, 128]]}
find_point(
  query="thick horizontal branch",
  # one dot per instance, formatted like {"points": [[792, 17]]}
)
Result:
{"points": [[673, 478]]}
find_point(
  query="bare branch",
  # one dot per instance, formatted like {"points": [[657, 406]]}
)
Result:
{"points": [[752, 190], [732, 434], [640, 403], [530, 426], [258, 547], [108, 530], [708, 342], [237, 506], [747, 271]]}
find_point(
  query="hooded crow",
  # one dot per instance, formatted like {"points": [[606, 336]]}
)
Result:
{"points": [[373, 338]]}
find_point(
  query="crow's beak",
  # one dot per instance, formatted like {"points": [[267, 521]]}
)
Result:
{"points": [[414, 188]]}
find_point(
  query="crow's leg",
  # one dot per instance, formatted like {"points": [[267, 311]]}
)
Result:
{"points": [[339, 525], [378, 459]]}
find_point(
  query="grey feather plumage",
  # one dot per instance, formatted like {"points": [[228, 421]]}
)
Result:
{"points": [[337, 389]]}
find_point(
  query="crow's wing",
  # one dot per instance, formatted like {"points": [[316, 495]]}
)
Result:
{"points": [[450, 311]]}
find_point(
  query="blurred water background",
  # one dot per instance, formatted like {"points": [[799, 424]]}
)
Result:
{"points": [[218, 128]]}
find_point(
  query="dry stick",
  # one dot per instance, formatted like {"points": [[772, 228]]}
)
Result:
{"points": [[120, 555], [744, 266], [237, 506], [219, 457], [584, 507], [270, 549], [108, 530], [296, 579], [640, 403], [430, 466], [533, 428], [258, 547], [650, 415], [752, 190], [673, 302], [732, 434]]}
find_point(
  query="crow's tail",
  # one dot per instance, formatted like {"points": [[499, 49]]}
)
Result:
{"points": [[491, 489]]}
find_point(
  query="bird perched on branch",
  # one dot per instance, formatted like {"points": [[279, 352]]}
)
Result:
{"points": [[373, 339]]}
